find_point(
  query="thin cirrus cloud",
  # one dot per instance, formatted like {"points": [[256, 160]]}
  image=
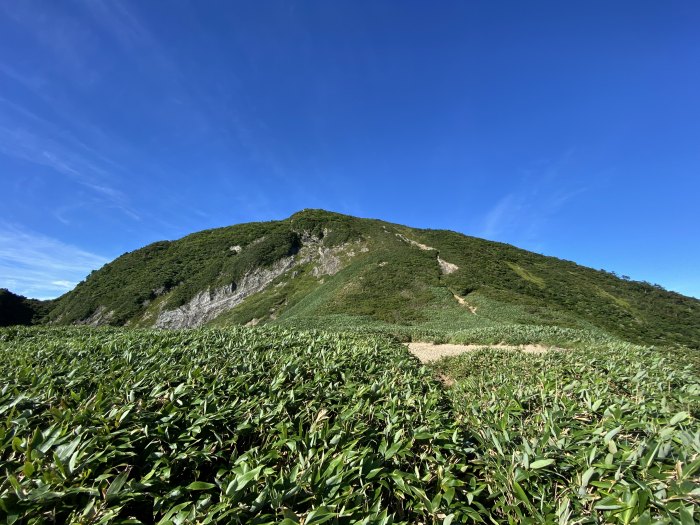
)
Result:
{"points": [[57, 134], [521, 215], [500, 216], [51, 135], [30, 138], [38, 266]]}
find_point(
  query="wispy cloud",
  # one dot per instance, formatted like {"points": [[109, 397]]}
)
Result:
{"points": [[38, 266], [30, 138], [120, 22], [521, 214], [25, 145], [61, 36], [30, 81], [56, 133], [500, 216], [45, 121], [38, 121]]}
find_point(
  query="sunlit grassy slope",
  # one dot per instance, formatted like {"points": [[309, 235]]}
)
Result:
{"points": [[389, 276]]}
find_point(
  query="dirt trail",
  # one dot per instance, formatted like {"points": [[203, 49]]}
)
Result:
{"points": [[415, 243], [464, 303], [445, 267], [428, 352]]}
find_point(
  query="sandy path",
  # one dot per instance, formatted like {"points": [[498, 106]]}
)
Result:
{"points": [[428, 352], [464, 303]]}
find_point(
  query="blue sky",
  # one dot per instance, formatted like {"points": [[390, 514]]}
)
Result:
{"points": [[567, 128]]}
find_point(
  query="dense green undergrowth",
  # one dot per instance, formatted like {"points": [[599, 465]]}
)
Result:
{"points": [[277, 425], [234, 426], [594, 435], [479, 333]]}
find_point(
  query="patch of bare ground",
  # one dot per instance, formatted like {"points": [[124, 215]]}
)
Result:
{"points": [[446, 267], [427, 352], [464, 303]]}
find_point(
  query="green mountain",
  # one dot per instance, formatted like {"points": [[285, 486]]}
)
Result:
{"points": [[323, 269]]}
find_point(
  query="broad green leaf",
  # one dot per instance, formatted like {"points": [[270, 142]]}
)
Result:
{"points": [[200, 485], [116, 486], [541, 463], [680, 416]]}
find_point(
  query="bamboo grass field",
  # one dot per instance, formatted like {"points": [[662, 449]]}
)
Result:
{"points": [[279, 425]]}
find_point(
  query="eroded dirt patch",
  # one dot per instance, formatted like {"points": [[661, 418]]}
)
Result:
{"points": [[464, 303], [428, 352]]}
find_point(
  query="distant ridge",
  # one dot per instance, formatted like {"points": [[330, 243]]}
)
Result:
{"points": [[19, 310]]}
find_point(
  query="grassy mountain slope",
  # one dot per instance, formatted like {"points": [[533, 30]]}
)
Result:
{"points": [[318, 268]]}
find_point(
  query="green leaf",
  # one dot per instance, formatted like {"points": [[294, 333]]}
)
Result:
{"points": [[686, 515], [200, 485], [586, 477], [28, 469], [392, 450], [680, 416], [64, 452], [609, 503], [249, 476], [319, 515], [541, 463], [116, 486], [611, 434], [520, 493]]}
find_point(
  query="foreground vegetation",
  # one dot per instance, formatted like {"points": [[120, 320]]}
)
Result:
{"points": [[235, 426], [273, 425], [583, 436]]}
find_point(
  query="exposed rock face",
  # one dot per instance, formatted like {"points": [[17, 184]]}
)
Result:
{"points": [[308, 238], [99, 317], [328, 262], [206, 305], [447, 267]]}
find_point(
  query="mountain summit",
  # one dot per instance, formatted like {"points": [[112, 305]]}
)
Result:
{"points": [[324, 269]]}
